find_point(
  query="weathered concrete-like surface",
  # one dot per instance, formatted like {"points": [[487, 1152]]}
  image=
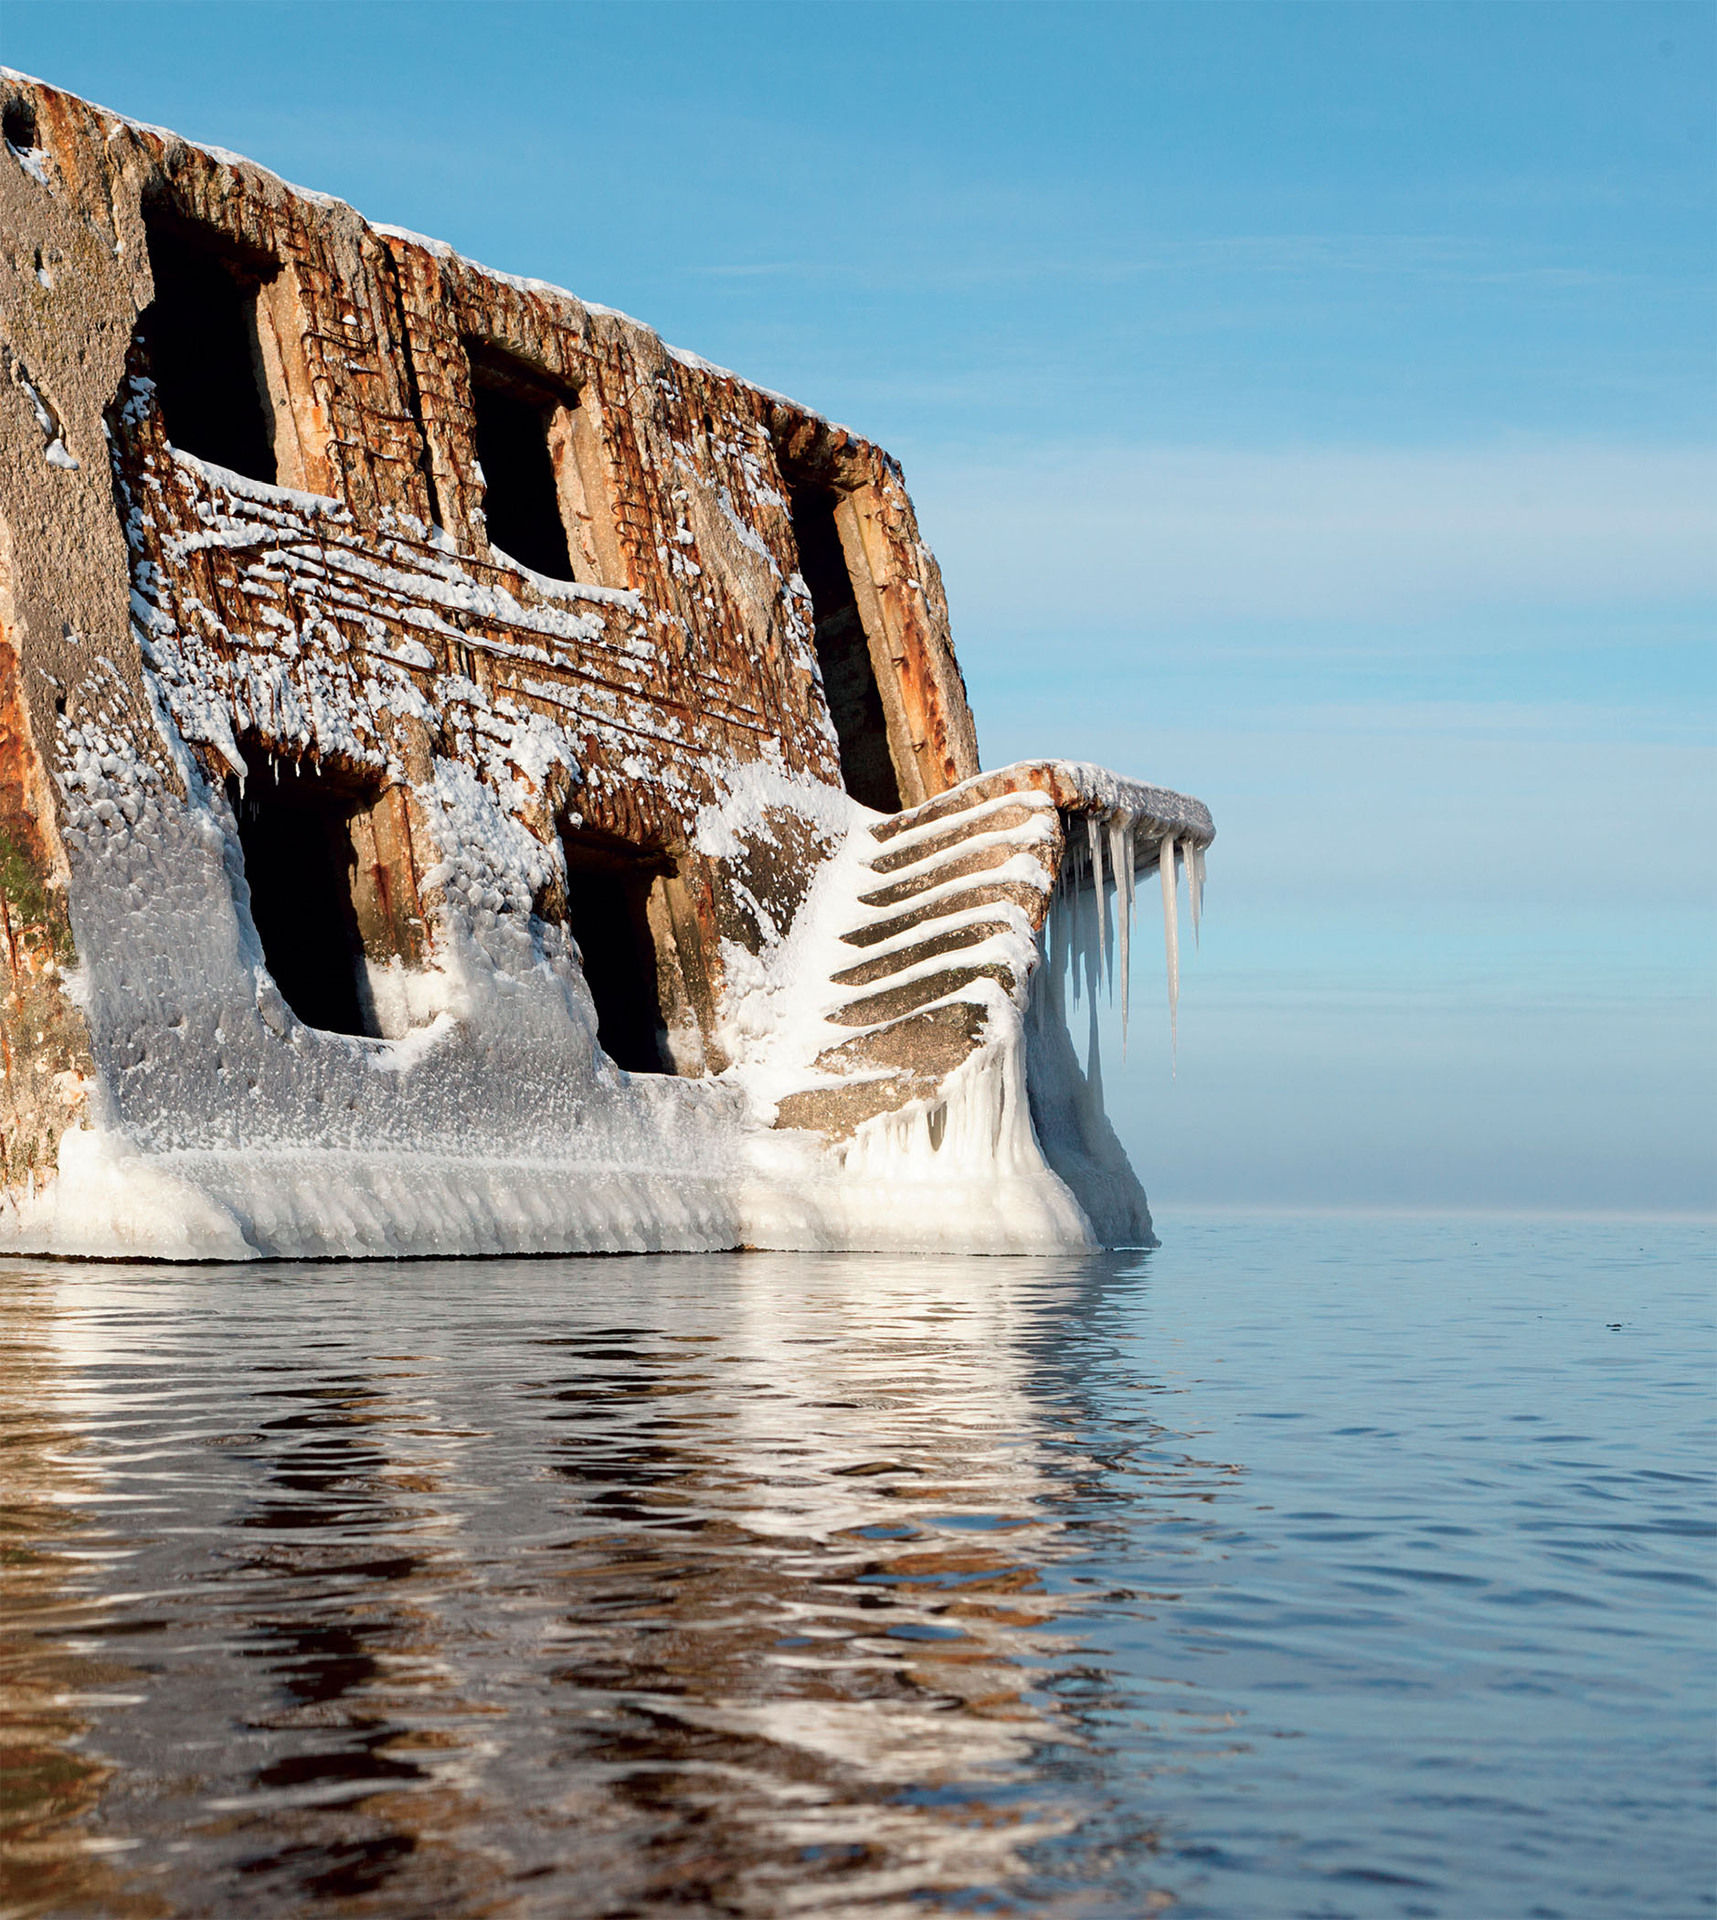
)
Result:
{"points": [[179, 641]]}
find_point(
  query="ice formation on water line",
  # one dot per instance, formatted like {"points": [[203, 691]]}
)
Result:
{"points": [[580, 846]]}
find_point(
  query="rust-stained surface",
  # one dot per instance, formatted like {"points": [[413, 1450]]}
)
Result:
{"points": [[44, 1048], [299, 689], [368, 627]]}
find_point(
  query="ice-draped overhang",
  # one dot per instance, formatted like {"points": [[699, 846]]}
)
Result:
{"points": [[1079, 787], [1130, 828], [1114, 829]]}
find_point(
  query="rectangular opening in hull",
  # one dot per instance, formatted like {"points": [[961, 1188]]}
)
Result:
{"points": [[205, 355], [531, 438], [608, 889], [843, 653], [521, 506], [296, 833]]}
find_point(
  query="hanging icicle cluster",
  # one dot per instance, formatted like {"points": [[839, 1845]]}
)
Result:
{"points": [[1099, 868]]}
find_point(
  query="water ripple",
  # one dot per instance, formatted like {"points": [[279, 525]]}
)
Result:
{"points": [[1310, 1570]]}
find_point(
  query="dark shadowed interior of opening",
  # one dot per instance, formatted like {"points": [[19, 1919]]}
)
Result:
{"points": [[200, 331], [843, 653], [18, 124], [521, 505], [607, 912], [295, 830]]}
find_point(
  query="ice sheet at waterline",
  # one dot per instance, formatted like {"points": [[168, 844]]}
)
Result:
{"points": [[1013, 1151]]}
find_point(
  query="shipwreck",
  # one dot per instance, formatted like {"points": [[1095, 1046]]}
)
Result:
{"points": [[476, 779]]}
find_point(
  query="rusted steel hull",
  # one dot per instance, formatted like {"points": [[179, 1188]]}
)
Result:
{"points": [[434, 715]]}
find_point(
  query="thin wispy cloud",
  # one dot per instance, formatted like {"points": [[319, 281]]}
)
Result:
{"points": [[1142, 534], [994, 256]]}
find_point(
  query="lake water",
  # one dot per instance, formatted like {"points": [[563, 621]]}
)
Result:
{"points": [[1302, 1567]]}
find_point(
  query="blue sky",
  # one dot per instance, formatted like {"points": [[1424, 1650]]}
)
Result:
{"points": [[1312, 407]]}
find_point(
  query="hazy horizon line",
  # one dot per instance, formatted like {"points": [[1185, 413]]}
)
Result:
{"points": [[1660, 1216]]}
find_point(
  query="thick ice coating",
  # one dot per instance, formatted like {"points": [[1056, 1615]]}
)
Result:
{"points": [[475, 779]]}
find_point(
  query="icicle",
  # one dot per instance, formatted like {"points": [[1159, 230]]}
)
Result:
{"points": [[1195, 886], [1121, 861], [1076, 926], [1055, 954], [1094, 933], [1094, 833], [1061, 911], [1108, 932], [1171, 942], [1130, 859], [1094, 1059]]}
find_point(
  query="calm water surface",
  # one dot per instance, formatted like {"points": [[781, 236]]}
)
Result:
{"points": [[1299, 1568]]}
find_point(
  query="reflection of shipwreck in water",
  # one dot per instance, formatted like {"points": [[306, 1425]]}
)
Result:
{"points": [[475, 779], [745, 1589]]}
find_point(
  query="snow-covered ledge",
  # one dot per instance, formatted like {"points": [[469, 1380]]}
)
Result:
{"points": [[1078, 786]]}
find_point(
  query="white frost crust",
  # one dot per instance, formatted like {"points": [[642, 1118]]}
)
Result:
{"points": [[236, 1132], [1113, 795], [959, 1174], [493, 1123], [230, 1130], [54, 448], [754, 790], [110, 1201], [781, 1017]]}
